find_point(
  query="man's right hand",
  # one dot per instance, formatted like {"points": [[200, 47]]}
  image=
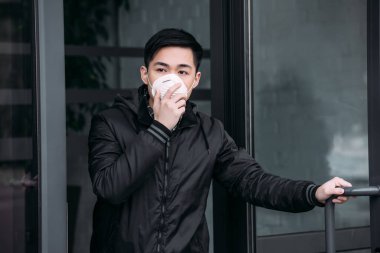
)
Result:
{"points": [[169, 109]]}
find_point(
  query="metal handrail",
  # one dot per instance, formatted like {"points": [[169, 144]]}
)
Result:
{"points": [[329, 212]]}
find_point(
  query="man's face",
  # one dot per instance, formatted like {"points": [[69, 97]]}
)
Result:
{"points": [[172, 60]]}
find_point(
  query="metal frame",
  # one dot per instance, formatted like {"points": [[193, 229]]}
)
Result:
{"points": [[219, 76], [73, 50], [52, 126], [73, 96], [229, 77], [373, 66], [347, 239], [33, 208], [249, 119]]}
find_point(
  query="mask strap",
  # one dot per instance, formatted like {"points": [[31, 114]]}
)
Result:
{"points": [[191, 88], [149, 83]]}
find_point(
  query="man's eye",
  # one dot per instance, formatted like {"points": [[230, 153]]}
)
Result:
{"points": [[161, 70], [182, 72]]}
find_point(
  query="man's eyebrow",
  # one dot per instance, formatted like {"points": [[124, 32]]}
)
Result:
{"points": [[161, 63], [184, 66]]}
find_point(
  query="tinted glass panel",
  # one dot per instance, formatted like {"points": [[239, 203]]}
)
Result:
{"points": [[18, 171], [310, 102]]}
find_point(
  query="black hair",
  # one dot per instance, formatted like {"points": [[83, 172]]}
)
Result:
{"points": [[172, 37]]}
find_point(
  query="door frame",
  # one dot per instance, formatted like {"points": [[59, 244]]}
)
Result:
{"points": [[51, 125], [373, 66], [233, 219]]}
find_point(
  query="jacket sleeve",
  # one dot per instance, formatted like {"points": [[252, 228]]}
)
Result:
{"points": [[116, 173], [237, 171]]}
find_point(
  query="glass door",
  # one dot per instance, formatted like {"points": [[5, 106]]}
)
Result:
{"points": [[18, 151], [309, 73], [310, 113]]}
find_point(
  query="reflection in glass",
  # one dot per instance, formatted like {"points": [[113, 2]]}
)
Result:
{"points": [[18, 172], [130, 23], [310, 102]]}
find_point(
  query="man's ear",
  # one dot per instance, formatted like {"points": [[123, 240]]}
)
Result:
{"points": [[197, 79], [144, 74]]}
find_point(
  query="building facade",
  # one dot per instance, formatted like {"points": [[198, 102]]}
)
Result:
{"points": [[295, 82]]}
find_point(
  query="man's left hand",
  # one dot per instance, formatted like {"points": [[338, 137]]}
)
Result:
{"points": [[332, 187]]}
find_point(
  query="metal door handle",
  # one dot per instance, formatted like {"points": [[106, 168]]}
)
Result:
{"points": [[362, 191], [329, 212]]}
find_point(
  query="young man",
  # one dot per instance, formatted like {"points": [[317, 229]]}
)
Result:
{"points": [[152, 159]]}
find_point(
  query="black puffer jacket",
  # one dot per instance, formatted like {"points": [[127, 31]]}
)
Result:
{"points": [[152, 184]]}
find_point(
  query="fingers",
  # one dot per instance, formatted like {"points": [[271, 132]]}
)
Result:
{"points": [[335, 191], [181, 110], [338, 184], [333, 187], [178, 100], [341, 182], [171, 91], [181, 103], [179, 96], [340, 200], [169, 109]]}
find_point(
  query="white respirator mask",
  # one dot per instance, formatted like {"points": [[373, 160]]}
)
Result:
{"points": [[164, 83]]}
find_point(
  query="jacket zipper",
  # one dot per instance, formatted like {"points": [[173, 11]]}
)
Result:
{"points": [[163, 207]]}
